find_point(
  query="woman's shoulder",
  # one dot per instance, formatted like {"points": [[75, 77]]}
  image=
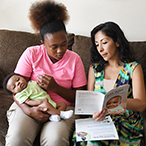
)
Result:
{"points": [[69, 52], [131, 65], [95, 65], [70, 55], [35, 50]]}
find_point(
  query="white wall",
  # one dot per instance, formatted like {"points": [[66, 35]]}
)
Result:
{"points": [[84, 15]]}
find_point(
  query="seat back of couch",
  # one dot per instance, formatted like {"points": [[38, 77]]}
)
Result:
{"points": [[12, 45], [138, 51]]}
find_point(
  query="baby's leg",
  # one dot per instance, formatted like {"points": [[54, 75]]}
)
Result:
{"points": [[55, 113], [64, 114], [61, 106], [50, 109]]}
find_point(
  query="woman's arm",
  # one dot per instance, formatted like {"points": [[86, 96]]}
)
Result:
{"points": [[98, 116], [34, 112], [48, 83], [138, 103], [67, 94], [91, 79]]}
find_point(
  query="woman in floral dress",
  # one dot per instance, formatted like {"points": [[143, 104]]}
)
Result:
{"points": [[113, 66]]}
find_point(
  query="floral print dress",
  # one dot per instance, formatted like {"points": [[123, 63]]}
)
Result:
{"points": [[130, 124]]}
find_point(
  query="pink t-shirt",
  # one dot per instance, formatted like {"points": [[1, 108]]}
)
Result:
{"points": [[68, 72]]}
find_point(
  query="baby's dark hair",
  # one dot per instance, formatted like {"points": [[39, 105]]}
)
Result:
{"points": [[6, 81], [48, 17]]}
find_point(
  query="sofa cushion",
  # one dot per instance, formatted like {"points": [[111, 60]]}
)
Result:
{"points": [[82, 46], [138, 51], [5, 102], [70, 39], [12, 44], [1, 77]]}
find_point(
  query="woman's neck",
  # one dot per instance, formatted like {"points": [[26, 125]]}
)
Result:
{"points": [[112, 70]]}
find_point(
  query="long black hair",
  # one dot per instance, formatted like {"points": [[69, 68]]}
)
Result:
{"points": [[113, 31]]}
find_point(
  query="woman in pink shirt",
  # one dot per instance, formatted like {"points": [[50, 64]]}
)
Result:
{"points": [[57, 70]]}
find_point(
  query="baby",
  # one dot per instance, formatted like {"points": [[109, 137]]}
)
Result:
{"points": [[113, 105], [33, 95]]}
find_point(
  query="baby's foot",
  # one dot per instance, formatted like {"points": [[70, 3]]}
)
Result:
{"points": [[54, 118], [66, 114]]}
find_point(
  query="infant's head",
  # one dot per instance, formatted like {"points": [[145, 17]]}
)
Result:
{"points": [[14, 83], [113, 102]]}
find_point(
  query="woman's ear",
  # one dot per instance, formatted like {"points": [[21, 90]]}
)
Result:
{"points": [[117, 44], [42, 42]]}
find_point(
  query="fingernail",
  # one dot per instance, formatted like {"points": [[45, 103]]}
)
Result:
{"points": [[45, 109], [40, 76]]}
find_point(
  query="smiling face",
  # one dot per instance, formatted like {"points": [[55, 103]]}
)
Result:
{"points": [[16, 84], [56, 45], [106, 47], [113, 102]]}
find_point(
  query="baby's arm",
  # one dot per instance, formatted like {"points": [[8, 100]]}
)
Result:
{"points": [[43, 103], [30, 102]]}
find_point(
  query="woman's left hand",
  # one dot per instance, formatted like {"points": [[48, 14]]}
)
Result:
{"points": [[47, 82], [100, 116]]}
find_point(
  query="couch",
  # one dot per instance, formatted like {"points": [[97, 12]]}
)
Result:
{"points": [[13, 43]]}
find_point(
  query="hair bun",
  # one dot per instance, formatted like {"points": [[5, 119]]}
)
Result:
{"points": [[43, 12]]}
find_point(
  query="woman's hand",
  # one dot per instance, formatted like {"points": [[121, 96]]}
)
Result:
{"points": [[100, 116], [39, 114], [47, 82]]}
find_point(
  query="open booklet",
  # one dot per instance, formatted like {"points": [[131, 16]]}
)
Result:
{"points": [[89, 102], [89, 129]]}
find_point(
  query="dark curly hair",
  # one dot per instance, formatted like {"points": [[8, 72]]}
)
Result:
{"points": [[48, 17], [113, 31], [5, 81]]}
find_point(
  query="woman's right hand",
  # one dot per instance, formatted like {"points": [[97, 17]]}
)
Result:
{"points": [[39, 114], [100, 116], [35, 112]]}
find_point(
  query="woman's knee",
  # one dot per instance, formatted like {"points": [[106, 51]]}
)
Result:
{"points": [[55, 133], [17, 139], [55, 140], [22, 129]]}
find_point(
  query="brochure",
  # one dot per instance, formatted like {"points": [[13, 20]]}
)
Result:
{"points": [[89, 102], [89, 129]]}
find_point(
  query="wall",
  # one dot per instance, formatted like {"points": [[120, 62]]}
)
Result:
{"points": [[84, 15]]}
